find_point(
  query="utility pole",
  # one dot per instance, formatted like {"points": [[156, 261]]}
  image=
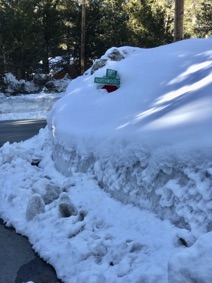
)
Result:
{"points": [[178, 20], [82, 60]]}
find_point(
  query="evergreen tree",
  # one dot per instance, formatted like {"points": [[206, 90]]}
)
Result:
{"points": [[106, 26], [204, 17], [31, 32], [148, 23], [70, 14], [18, 33], [114, 26], [191, 10], [50, 28]]}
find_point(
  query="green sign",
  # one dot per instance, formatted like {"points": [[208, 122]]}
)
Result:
{"points": [[107, 81], [111, 73], [110, 79]]}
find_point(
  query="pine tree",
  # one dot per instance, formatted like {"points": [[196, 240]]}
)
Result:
{"points": [[31, 32], [148, 23], [191, 11], [204, 17], [106, 26], [18, 33], [50, 29]]}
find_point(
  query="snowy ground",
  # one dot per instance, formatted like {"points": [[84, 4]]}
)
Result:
{"points": [[122, 192], [103, 240], [33, 106]]}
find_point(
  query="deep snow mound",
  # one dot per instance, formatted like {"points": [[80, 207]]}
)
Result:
{"points": [[149, 142]]}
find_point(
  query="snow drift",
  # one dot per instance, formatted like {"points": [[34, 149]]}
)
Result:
{"points": [[149, 142]]}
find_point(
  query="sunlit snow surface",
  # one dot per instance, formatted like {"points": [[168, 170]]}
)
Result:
{"points": [[123, 189], [21, 107]]}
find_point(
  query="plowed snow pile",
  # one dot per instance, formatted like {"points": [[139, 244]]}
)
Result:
{"points": [[123, 188]]}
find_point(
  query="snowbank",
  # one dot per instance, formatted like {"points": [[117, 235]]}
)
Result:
{"points": [[149, 142], [77, 227]]}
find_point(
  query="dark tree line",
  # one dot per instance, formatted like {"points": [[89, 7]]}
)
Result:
{"points": [[32, 31]]}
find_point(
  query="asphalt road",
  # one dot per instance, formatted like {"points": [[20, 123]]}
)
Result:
{"points": [[16, 131], [18, 262]]}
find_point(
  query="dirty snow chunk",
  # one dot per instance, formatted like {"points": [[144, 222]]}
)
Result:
{"points": [[113, 54], [66, 207], [193, 264], [35, 206], [48, 190]]}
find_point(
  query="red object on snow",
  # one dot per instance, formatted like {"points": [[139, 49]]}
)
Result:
{"points": [[110, 88]]}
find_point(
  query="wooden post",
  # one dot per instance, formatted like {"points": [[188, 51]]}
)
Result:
{"points": [[178, 20], [82, 60]]}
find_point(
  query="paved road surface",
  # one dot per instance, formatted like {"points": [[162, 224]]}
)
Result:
{"points": [[16, 131], [18, 262]]}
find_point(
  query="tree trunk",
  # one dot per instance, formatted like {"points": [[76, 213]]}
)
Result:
{"points": [[46, 59], [82, 61], [19, 73], [178, 20]]}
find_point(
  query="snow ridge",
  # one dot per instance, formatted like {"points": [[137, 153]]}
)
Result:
{"points": [[165, 181]]}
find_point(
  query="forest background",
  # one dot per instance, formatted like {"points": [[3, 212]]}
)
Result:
{"points": [[32, 32]]}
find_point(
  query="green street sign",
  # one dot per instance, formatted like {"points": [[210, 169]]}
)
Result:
{"points": [[107, 81], [110, 79], [111, 73]]}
